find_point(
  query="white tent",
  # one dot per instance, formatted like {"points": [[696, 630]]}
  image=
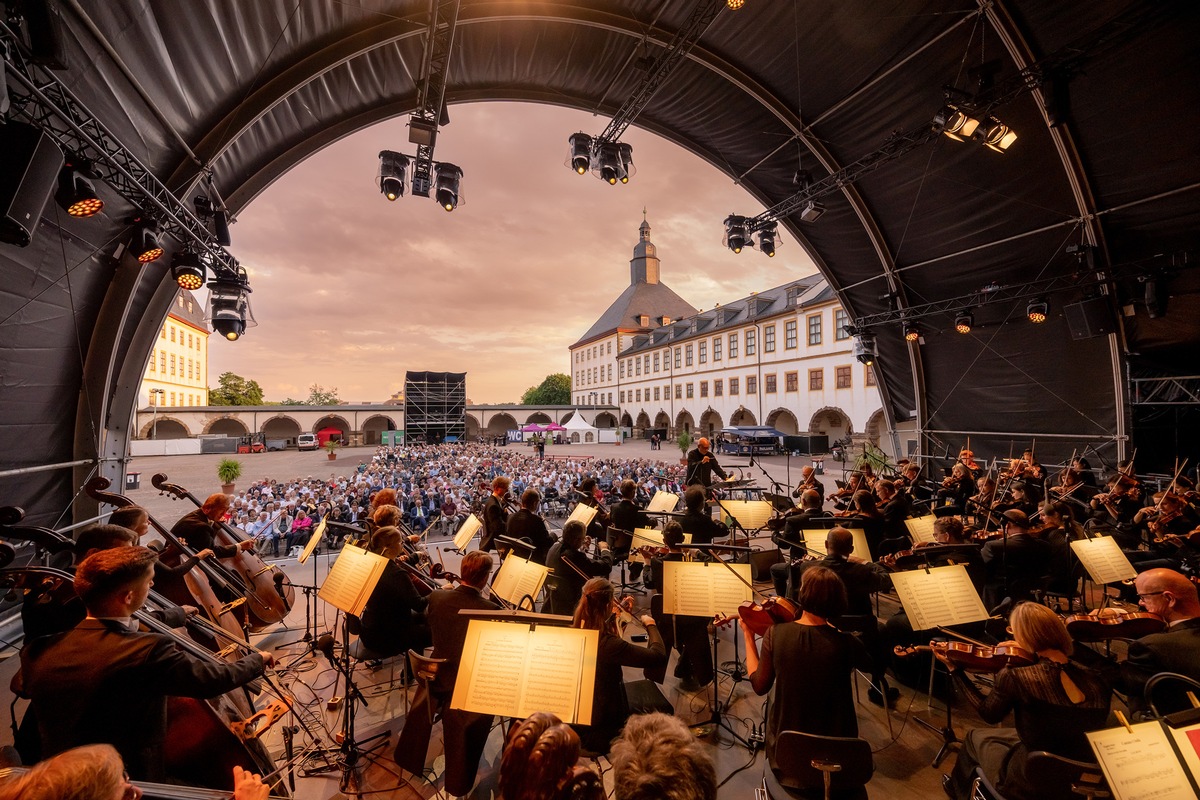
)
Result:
{"points": [[579, 430]]}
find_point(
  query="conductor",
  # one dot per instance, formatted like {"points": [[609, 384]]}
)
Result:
{"points": [[701, 464]]}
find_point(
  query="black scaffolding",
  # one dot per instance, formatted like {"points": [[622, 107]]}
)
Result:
{"points": [[435, 406]]}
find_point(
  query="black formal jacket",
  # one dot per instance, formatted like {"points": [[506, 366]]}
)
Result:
{"points": [[861, 580], [627, 516], [391, 620], [495, 520], [527, 525], [698, 471], [571, 570], [1176, 649], [102, 683], [199, 533], [449, 629], [702, 527]]}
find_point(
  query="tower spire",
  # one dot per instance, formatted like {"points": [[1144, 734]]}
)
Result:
{"points": [[643, 268]]}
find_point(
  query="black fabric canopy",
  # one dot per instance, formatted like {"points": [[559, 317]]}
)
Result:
{"points": [[252, 88]]}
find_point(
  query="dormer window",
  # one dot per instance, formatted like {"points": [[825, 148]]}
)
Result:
{"points": [[644, 320]]}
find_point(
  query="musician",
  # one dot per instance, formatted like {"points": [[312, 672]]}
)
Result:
{"points": [[1084, 470], [1177, 649], [841, 498], [865, 510], [464, 733], [1113, 511], [105, 682], [956, 489], [527, 525], [701, 464], [1058, 530], [609, 706], [697, 520], [495, 516], [915, 484], [967, 459], [809, 482], [1171, 517], [198, 529], [1033, 472], [894, 508], [810, 664], [571, 568], [626, 516], [1018, 499], [1054, 702], [982, 501], [1016, 564], [686, 634], [590, 495], [393, 620]]}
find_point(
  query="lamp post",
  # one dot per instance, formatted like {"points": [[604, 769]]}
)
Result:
{"points": [[155, 394]]}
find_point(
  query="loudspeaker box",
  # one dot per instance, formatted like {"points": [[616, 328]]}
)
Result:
{"points": [[28, 175]]}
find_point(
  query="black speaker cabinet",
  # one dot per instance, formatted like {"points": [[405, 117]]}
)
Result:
{"points": [[28, 175], [1090, 318]]}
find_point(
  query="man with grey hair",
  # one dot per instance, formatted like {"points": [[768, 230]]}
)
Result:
{"points": [[657, 758]]}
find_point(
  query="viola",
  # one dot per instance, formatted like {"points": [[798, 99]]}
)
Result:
{"points": [[759, 617], [1104, 624], [974, 657]]}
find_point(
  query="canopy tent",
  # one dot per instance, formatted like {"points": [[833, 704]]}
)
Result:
{"points": [[578, 423], [1096, 201], [751, 430], [533, 427]]}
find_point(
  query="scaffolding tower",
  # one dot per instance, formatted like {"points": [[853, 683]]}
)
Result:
{"points": [[435, 406]]}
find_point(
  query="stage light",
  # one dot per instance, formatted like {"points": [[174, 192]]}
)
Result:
{"points": [[1037, 310], [188, 270], [812, 211], [146, 244], [955, 123], [964, 322], [864, 349], [912, 333], [447, 184], [625, 156], [766, 239], [76, 194], [607, 166], [580, 154], [734, 5], [736, 236], [996, 135], [392, 169], [229, 305]]}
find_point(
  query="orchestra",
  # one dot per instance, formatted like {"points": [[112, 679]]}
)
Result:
{"points": [[1057, 672]]}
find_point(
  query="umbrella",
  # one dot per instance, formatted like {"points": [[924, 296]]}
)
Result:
{"points": [[533, 427]]}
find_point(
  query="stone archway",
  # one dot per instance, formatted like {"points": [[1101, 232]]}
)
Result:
{"points": [[743, 416], [626, 420], [541, 418], [661, 420], [227, 426], [684, 422], [281, 427], [643, 421], [605, 420], [566, 418], [783, 421], [875, 427], [333, 421], [832, 422], [472, 428], [167, 428], [374, 427], [499, 424], [710, 422]]}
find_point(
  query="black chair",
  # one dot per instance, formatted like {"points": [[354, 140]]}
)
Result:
{"points": [[1166, 693], [982, 788], [828, 767], [424, 669], [1057, 777]]}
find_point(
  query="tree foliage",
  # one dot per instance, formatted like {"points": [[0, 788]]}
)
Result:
{"points": [[318, 395], [555, 390], [234, 390]]}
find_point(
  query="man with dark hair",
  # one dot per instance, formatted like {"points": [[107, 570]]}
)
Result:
{"points": [[495, 517], [657, 758], [627, 517], [94, 538], [527, 525], [697, 519], [572, 568], [464, 733], [105, 682], [792, 536], [1016, 564]]}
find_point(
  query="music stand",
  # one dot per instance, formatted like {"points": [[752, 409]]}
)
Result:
{"points": [[615, 535]]}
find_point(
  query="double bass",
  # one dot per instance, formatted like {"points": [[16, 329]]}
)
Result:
{"points": [[269, 593]]}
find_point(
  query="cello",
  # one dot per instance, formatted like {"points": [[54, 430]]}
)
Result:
{"points": [[269, 593]]}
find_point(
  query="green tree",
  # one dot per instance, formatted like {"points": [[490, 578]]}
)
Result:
{"points": [[555, 390], [234, 390], [318, 395]]}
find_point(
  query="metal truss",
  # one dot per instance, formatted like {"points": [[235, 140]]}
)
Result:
{"points": [[1178, 390], [439, 44], [49, 105]]}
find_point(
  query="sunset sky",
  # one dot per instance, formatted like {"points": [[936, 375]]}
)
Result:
{"points": [[350, 291]]}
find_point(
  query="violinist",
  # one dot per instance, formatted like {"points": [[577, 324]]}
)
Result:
{"points": [[697, 520], [686, 634], [1084, 470], [957, 487], [1170, 517], [894, 508], [394, 618], [1113, 511], [590, 495], [981, 502], [808, 481], [1173, 597], [865, 510], [1032, 472], [702, 464], [1058, 530], [571, 567], [527, 525], [198, 528], [791, 537], [391, 516], [626, 516], [103, 681], [914, 483], [1055, 701], [841, 498], [1018, 499], [966, 457], [1016, 564], [495, 516], [1070, 488]]}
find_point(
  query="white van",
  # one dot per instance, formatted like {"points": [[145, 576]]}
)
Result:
{"points": [[306, 441]]}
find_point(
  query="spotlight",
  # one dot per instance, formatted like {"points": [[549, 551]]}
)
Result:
{"points": [[734, 5], [812, 211], [1156, 295], [766, 239], [996, 135], [146, 244], [625, 155], [580, 154], [735, 233], [608, 168], [964, 322], [864, 349], [912, 333], [188, 270], [447, 184], [76, 194], [229, 305], [1037, 310], [392, 168], [955, 123]]}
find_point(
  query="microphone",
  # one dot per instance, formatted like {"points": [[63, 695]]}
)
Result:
{"points": [[752, 458], [279, 578], [325, 643]]}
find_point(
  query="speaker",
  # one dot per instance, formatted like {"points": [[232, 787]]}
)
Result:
{"points": [[1090, 318], [28, 175]]}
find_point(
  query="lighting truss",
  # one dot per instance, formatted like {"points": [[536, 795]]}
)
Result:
{"points": [[48, 104], [439, 44]]}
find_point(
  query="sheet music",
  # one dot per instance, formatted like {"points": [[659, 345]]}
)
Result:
{"points": [[313, 541], [1187, 741], [1141, 765], [351, 579], [921, 528], [513, 669], [700, 589], [814, 542], [1103, 559], [941, 596], [519, 577], [584, 513], [663, 501], [648, 537], [470, 527], [750, 514]]}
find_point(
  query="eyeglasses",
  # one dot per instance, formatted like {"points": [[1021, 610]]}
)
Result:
{"points": [[1144, 595]]}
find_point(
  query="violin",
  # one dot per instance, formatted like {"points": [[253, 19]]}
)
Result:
{"points": [[974, 657], [759, 617], [1104, 624]]}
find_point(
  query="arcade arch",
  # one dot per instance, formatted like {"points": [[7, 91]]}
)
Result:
{"points": [[684, 422], [661, 420], [226, 426], [605, 420], [373, 428], [643, 420], [783, 421], [743, 416], [282, 427], [472, 427], [167, 428], [333, 421], [541, 418], [875, 426], [832, 422], [710, 422], [626, 420], [500, 423]]}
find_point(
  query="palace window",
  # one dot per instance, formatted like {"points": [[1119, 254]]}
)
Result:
{"points": [[840, 320], [843, 377], [750, 343], [716, 348], [679, 391], [153, 362], [751, 384], [814, 329], [789, 335], [678, 357], [733, 343], [816, 380], [704, 388], [733, 386], [769, 384], [702, 352], [791, 381], [656, 362], [769, 339], [718, 387], [870, 376], [690, 392]]}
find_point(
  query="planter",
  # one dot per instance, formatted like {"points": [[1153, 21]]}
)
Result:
{"points": [[227, 488], [332, 456]]}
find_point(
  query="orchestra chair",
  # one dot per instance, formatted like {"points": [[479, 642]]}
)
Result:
{"points": [[819, 767], [982, 788], [1055, 777], [424, 669], [362, 654], [1166, 693], [865, 624]]}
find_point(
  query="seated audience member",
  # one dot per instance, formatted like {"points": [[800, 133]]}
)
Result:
{"points": [[657, 758], [540, 762]]}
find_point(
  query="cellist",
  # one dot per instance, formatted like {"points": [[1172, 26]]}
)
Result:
{"points": [[196, 528]]}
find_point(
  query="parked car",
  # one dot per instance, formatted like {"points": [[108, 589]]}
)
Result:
{"points": [[307, 441]]}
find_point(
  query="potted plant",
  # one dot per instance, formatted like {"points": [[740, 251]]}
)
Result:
{"points": [[331, 446], [685, 443], [228, 471]]}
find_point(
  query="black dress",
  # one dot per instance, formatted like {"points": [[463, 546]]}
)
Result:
{"points": [[391, 621], [610, 709]]}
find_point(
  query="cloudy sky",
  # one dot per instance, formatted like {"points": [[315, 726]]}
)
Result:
{"points": [[350, 291]]}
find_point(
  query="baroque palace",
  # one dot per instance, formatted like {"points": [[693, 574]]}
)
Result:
{"points": [[781, 357]]}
